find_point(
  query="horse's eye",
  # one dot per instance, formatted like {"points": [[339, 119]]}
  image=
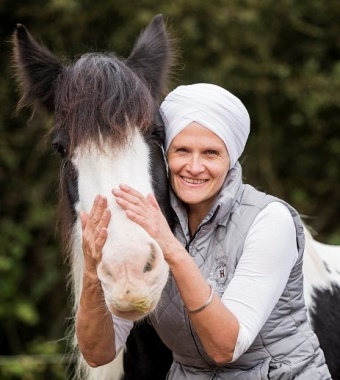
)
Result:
{"points": [[158, 133], [57, 147]]}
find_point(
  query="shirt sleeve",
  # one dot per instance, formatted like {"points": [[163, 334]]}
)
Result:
{"points": [[122, 330], [270, 252]]}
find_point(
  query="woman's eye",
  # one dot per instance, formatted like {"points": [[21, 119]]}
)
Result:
{"points": [[211, 152], [181, 150]]}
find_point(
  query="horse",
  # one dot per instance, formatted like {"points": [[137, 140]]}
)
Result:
{"points": [[107, 131]]}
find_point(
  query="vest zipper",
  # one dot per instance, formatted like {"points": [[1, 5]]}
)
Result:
{"points": [[200, 228], [187, 248]]}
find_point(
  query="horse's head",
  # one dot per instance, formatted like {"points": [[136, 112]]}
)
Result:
{"points": [[107, 131]]}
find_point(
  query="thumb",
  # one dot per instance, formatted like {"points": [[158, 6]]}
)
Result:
{"points": [[152, 199], [83, 219]]}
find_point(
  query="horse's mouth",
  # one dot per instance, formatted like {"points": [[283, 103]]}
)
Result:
{"points": [[131, 315], [132, 311]]}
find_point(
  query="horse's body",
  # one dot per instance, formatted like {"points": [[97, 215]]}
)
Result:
{"points": [[107, 131], [321, 270]]}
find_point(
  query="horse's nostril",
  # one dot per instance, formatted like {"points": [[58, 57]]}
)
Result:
{"points": [[148, 267], [106, 271], [151, 261], [128, 292]]}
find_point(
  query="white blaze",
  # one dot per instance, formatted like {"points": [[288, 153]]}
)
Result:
{"points": [[128, 247]]}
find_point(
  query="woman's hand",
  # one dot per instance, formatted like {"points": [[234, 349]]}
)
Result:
{"points": [[94, 232], [94, 327], [146, 212]]}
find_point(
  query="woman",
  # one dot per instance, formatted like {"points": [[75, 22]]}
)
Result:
{"points": [[235, 256]]}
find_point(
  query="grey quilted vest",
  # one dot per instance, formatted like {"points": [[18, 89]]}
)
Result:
{"points": [[286, 347]]}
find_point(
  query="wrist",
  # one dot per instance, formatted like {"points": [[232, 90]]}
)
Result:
{"points": [[92, 291], [90, 276], [176, 255]]}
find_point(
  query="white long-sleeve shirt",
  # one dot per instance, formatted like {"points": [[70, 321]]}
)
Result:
{"points": [[270, 252]]}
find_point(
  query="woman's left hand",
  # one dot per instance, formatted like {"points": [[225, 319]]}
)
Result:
{"points": [[146, 212]]}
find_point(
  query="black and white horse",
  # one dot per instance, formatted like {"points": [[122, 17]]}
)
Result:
{"points": [[107, 131]]}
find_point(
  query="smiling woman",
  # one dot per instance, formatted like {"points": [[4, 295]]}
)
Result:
{"points": [[232, 245]]}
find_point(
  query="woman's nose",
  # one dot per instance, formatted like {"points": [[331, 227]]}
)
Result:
{"points": [[195, 165]]}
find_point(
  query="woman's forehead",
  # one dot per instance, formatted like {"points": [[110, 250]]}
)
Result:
{"points": [[196, 133]]}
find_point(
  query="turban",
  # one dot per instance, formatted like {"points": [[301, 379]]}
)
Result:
{"points": [[212, 107]]}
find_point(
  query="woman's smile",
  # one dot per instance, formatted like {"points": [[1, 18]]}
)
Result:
{"points": [[194, 181]]}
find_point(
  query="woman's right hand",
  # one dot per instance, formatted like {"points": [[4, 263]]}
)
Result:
{"points": [[94, 327], [94, 227]]}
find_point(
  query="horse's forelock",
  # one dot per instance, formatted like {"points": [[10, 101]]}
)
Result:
{"points": [[99, 98]]}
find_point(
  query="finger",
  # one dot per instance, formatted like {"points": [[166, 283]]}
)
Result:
{"points": [[83, 219], [144, 222], [136, 218], [105, 219], [139, 209], [153, 201], [127, 190], [101, 239], [127, 200], [98, 213], [94, 206]]}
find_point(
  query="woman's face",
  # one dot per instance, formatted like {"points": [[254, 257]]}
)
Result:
{"points": [[199, 162]]}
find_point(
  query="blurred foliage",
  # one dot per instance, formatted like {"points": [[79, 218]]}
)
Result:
{"points": [[282, 58], [42, 360]]}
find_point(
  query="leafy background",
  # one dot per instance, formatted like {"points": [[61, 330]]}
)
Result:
{"points": [[282, 58]]}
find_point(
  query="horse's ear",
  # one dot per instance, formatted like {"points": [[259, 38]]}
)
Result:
{"points": [[153, 56], [37, 70]]}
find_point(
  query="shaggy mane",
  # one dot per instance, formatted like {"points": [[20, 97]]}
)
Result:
{"points": [[99, 99]]}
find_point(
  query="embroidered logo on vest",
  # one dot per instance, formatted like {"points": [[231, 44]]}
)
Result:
{"points": [[219, 276]]}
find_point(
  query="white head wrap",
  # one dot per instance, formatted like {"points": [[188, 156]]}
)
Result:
{"points": [[211, 106]]}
